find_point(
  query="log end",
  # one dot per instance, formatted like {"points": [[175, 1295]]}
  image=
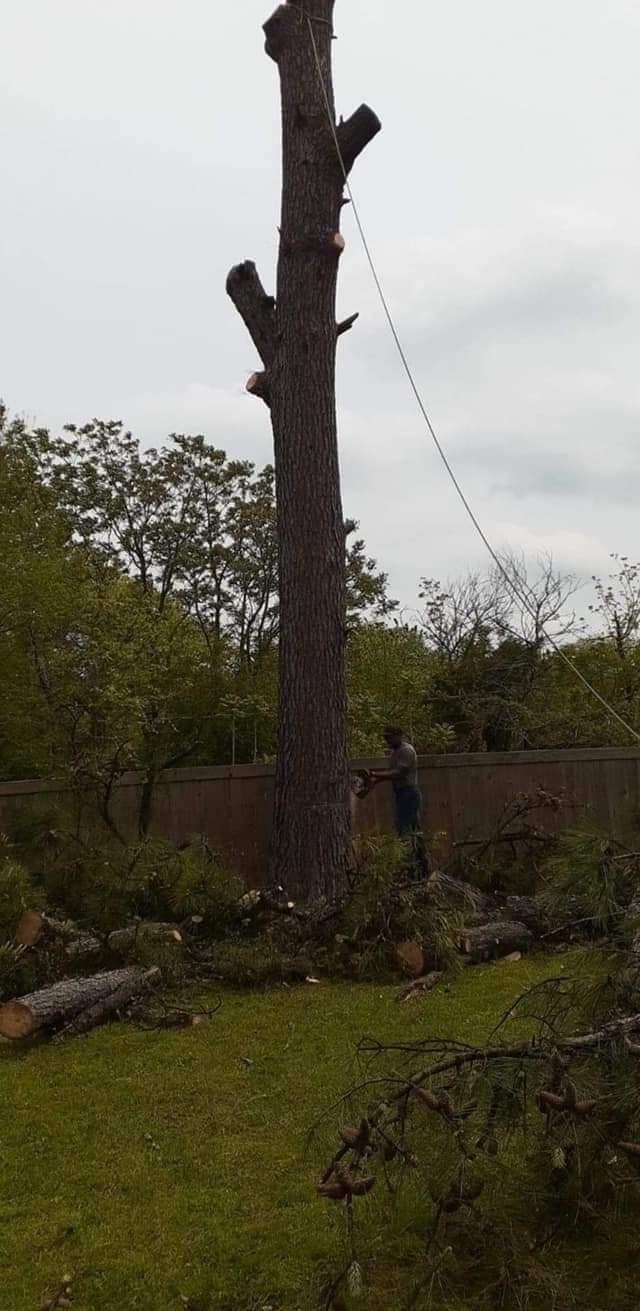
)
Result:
{"points": [[16, 1020], [410, 958], [245, 272], [258, 385], [30, 928], [355, 133]]}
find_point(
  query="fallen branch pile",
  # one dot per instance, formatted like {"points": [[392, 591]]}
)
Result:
{"points": [[554, 1118], [492, 927]]}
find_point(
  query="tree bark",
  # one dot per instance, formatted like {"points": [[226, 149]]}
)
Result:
{"points": [[53, 1007], [137, 982], [527, 911], [296, 340], [125, 942], [493, 940]]}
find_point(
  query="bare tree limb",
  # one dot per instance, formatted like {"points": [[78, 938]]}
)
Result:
{"points": [[255, 307], [347, 323], [258, 385], [355, 133]]}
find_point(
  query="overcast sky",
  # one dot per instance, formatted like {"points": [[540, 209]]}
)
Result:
{"points": [[140, 159]]}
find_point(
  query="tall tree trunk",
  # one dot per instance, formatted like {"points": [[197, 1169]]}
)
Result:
{"points": [[296, 339]]}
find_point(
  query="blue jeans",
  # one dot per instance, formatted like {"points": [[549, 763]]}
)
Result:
{"points": [[407, 806]]}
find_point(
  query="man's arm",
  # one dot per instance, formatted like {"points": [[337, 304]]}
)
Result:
{"points": [[407, 761]]}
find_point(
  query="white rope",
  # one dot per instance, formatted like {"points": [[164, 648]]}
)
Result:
{"points": [[434, 436]]}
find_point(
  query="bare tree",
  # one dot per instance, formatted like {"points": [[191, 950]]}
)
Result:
{"points": [[463, 613], [491, 634], [511, 601], [295, 336], [537, 604]]}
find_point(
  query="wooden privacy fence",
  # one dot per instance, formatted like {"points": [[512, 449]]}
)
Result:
{"points": [[464, 795]]}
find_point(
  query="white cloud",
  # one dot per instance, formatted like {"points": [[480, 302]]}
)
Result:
{"points": [[232, 420]]}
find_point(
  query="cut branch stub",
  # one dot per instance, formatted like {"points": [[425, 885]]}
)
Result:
{"points": [[355, 133], [258, 385], [30, 928], [276, 30], [347, 324], [255, 307]]}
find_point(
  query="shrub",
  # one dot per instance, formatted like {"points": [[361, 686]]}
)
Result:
{"points": [[18, 893], [590, 880], [108, 886]]}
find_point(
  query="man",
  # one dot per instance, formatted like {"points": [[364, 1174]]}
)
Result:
{"points": [[403, 776]]}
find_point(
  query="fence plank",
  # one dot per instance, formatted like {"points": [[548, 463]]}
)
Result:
{"points": [[464, 795]]}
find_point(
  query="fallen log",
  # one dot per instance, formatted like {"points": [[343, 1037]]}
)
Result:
{"points": [[35, 929], [83, 947], [527, 911], [123, 942], [410, 958], [499, 938], [53, 1007], [139, 981]]}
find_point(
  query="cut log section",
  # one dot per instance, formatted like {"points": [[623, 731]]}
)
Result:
{"points": [[37, 930], [29, 930], [410, 957], [54, 1007], [527, 911], [34, 927], [499, 938], [258, 385], [102, 1010], [125, 942]]}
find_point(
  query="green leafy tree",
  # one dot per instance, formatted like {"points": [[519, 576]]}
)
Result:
{"points": [[389, 671]]}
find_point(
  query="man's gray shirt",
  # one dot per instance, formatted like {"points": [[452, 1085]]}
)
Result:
{"points": [[404, 759]]}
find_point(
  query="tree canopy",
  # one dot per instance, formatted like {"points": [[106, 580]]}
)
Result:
{"points": [[139, 624]]}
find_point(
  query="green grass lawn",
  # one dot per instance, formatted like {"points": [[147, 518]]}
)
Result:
{"points": [[158, 1166]]}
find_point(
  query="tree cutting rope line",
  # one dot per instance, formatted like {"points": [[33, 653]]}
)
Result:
{"points": [[519, 595]]}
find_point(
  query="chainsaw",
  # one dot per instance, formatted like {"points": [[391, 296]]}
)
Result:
{"points": [[361, 783]]}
